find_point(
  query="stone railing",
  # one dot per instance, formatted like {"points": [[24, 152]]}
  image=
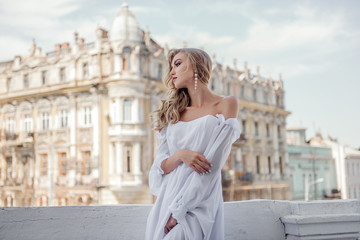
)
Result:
{"points": [[252, 220]]}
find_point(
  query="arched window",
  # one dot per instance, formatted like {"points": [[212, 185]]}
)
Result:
{"points": [[257, 164], [128, 152], [26, 81], [9, 201], [126, 58], [269, 164], [44, 200], [127, 110]]}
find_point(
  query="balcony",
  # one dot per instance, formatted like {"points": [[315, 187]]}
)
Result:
{"points": [[252, 220], [11, 136]]}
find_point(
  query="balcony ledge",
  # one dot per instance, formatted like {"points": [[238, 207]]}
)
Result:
{"points": [[254, 219]]}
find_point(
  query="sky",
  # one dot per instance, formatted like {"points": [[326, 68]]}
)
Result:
{"points": [[315, 45]]}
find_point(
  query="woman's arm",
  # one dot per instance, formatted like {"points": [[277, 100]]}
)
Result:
{"points": [[199, 188], [193, 159]]}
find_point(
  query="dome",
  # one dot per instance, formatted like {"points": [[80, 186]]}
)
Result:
{"points": [[125, 26]]}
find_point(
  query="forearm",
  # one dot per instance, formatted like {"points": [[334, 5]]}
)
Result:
{"points": [[170, 163]]}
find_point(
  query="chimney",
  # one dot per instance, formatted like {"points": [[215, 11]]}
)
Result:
{"points": [[65, 45], [57, 47], [82, 41]]}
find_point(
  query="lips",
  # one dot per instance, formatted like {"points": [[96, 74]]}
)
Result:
{"points": [[174, 78]]}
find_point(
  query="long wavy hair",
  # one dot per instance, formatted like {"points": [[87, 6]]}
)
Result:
{"points": [[178, 99]]}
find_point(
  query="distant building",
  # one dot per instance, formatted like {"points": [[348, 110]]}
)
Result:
{"points": [[75, 126], [312, 169], [347, 162]]}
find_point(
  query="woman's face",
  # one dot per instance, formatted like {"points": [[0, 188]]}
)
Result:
{"points": [[182, 73]]}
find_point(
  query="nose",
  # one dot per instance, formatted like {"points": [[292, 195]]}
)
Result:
{"points": [[172, 72]]}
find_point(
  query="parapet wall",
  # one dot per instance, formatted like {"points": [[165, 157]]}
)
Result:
{"points": [[254, 219]]}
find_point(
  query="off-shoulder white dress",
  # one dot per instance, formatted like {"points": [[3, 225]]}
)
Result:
{"points": [[195, 201]]}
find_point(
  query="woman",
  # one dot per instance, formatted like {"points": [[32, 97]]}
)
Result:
{"points": [[196, 132]]}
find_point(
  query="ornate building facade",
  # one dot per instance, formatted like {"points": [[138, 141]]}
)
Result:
{"points": [[75, 125]]}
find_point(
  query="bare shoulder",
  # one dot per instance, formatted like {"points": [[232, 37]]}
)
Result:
{"points": [[229, 107]]}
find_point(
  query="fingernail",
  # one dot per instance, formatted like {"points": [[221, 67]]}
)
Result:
{"points": [[201, 174], [210, 171], [206, 172], [212, 165]]}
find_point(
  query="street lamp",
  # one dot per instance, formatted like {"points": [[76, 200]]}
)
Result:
{"points": [[308, 185]]}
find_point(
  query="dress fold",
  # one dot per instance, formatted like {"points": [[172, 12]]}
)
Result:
{"points": [[186, 194]]}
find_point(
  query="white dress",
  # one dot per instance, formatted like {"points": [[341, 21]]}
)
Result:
{"points": [[195, 201]]}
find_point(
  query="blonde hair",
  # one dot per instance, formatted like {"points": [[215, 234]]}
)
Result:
{"points": [[179, 99]]}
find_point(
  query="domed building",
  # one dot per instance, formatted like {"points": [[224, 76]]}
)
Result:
{"points": [[75, 122]]}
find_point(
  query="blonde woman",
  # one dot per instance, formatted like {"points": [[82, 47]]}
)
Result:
{"points": [[196, 131]]}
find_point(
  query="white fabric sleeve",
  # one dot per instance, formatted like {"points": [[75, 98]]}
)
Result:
{"points": [[200, 188], [156, 173]]}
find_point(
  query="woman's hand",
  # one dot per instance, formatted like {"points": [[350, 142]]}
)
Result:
{"points": [[170, 224], [195, 160]]}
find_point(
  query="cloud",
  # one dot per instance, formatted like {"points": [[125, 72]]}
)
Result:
{"points": [[47, 22]]}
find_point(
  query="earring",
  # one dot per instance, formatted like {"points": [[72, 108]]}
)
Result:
{"points": [[196, 78]]}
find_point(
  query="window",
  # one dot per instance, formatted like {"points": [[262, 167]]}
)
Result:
{"points": [[278, 100], [126, 59], [43, 164], [127, 110], [9, 167], [62, 75], [243, 91], [86, 163], [85, 70], [63, 201], [160, 70], [257, 164], [27, 123], [269, 164], [254, 95], [279, 131], [265, 97], [228, 88], [10, 125], [128, 158], [44, 77], [9, 201], [87, 116], [8, 84], [45, 122], [44, 200], [63, 163], [267, 130], [281, 165], [26, 81], [64, 118], [243, 123], [256, 129]]}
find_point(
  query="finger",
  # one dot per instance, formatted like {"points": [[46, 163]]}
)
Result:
{"points": [[198, 166], [203, 158], [195, 169], [204, 166]]}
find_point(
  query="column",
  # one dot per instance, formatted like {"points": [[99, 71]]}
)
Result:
{"points": [[276, 149], [95, 124], [136, 158], [117, 63], [73, 127], [13, 163], [119, 158], [135, 110], [111, 158]]}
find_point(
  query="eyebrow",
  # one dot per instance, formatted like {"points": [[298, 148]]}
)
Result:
{"points": [[176, 60]]}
